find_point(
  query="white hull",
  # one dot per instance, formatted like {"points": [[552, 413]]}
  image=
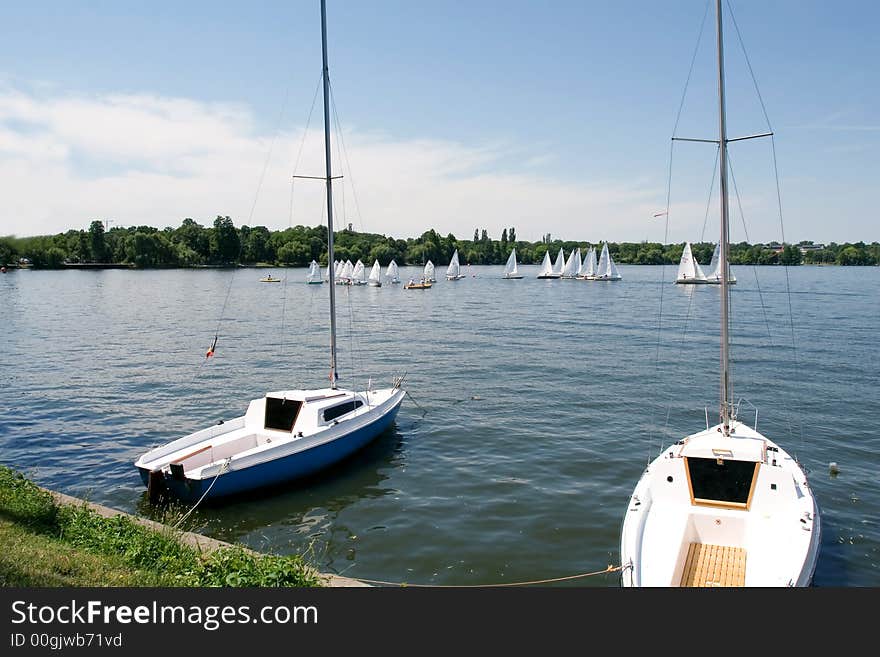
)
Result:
{"points": [[773, 535], [250, 441]]}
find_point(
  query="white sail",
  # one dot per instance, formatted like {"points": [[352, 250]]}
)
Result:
{"points": [[568, 270], [453, 271], [689, 270], [428, 274], [714, 275], [559, 265], [374, 279], [603, 269], [510, 269], [392, 273], [314, 275], [589, 267], [346, 273], [359, 274], [578, 263], [546, 267], [607, 270]]}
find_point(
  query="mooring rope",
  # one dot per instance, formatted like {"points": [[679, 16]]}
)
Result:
{"points": [[609, 569], [223, 468]]}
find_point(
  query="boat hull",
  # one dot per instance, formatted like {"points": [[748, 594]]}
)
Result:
{"points": [[670, 538], [280, 470]]}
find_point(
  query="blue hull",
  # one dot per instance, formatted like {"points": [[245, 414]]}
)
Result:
{"points": [[284, 469]]}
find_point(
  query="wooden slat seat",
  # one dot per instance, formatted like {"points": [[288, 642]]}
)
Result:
{"points": [[714, 565]]}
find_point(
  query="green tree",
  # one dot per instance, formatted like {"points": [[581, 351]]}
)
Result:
{"points": [[791, 255], [97, 244], [225, 243]]}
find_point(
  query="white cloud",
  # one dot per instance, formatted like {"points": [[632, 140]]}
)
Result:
{"points": [[142, 159]]}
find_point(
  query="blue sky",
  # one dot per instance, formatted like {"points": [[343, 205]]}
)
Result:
{"points": [[550, 117]]}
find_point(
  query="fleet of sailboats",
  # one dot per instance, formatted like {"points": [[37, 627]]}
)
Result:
{"points": [[725, 506], [285, 434], [606, 270]]}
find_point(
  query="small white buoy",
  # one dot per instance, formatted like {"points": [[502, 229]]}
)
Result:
{"points": [[833, 469]]}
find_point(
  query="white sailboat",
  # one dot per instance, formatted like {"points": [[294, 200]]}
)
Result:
{"points": [[589, 266], [359, 274], [510, 269], [714, 275], [547, 268], [606, 269], [284, 435], [392, 273], [453, 271], [428, 273], [559, 265], [689, 271], [346, 273], [573, 264], [314, 275], [725, 506], [375, 277]]}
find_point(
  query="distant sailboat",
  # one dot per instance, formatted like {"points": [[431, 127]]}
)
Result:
{"points": [[392, 273], [559, 265], [453, 271], [374, 279], [547, 268], [428, 274], [607, 270], [345, 273], [359, 274], [589, 266], [510, 269], [573, 264], [714, 275], [689, 271], [314, 275]]}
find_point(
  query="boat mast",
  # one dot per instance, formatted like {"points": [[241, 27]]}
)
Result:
{"points": [[726, 388], [326, 76]]}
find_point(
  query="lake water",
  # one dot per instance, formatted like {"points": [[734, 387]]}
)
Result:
{"points": [[534, 407]]}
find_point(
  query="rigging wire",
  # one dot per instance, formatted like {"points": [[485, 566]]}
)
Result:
{"points": [[778, 188], [788, 414], [668, 197]]}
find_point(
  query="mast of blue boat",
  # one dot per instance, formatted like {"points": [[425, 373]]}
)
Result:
{"points": [[326, 77], [726, 386]]}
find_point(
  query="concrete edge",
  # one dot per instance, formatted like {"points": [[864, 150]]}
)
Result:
{"points": [[197, 541]]}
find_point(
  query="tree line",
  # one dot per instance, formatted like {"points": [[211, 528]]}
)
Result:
{"points": [[223, 244]]}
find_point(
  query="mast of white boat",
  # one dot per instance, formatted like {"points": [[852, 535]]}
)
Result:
{"points": [[726, 385], [326, 76]]}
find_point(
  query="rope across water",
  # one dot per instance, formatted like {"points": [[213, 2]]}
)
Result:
{"points": [[609, 569]]}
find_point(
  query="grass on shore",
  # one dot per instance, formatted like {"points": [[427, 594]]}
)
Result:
{"points": [[43, 543]]}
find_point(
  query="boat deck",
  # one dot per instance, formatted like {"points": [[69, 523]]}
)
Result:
{"points": [[714, 565]]}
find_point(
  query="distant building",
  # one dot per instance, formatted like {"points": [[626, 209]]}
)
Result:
{"points": [[810, 247]]}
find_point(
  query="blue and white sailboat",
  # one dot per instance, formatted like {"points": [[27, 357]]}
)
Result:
{"points": [[285, 434]]}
